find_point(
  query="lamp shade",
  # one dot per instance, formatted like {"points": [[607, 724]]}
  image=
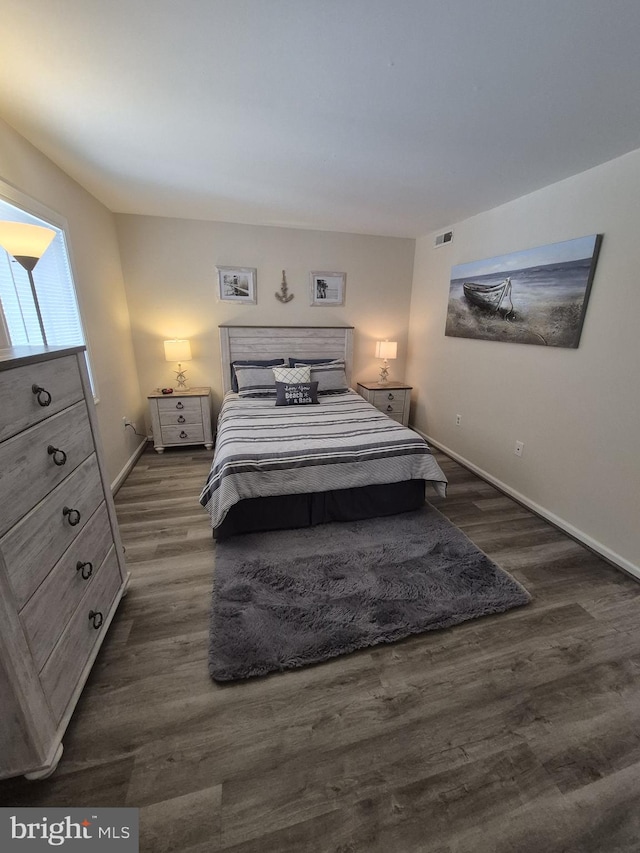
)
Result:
{"points": [[23, 240], [177, 350], [386, 349]]}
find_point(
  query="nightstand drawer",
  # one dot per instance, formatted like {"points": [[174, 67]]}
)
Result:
{"points": [[187, 434], [180, 406], [37, 391], [384, 399]]}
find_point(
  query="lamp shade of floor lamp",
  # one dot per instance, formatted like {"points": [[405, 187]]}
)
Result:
{"points": [[386, 350], [27, 244], [178, 350]]}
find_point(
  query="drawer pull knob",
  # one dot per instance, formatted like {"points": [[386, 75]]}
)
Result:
{"points": [[59, 456], [183, 434], [72, 515], [389, 408], [179, 406], [85, 569], [181, 419], [96, 618], [391, 397], [44, 397]]}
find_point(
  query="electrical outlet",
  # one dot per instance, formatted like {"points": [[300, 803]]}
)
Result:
{"points": [[519, 448], [126, 422], [458, 420]]}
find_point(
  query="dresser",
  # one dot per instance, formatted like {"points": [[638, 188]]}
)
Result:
{"points": [[62, 571], [393, 399], [181, 418]]}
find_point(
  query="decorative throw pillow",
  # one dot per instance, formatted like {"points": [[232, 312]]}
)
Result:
{"points": [[331, 377], [296, 393], [294, 361], [254, 362], [300, 373], [255, 381]]}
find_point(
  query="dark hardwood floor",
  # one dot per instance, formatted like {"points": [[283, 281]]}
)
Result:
{"points": [[516, 733]]}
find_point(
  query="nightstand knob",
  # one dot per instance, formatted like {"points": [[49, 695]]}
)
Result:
{"points": [[389, 408], [181, 419], [183, 434], [179, 406], [390, 397]]}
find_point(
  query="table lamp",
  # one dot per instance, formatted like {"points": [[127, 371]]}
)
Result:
{"points": [[178, 351], [386, 350]]}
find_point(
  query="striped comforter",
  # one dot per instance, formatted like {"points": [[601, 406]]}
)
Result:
{"points": [[263, 449]]}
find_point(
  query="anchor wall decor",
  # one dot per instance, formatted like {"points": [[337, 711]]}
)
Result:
{"points": [[284, 295]]}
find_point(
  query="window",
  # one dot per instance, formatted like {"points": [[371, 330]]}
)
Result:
{"points": [[54, 290]]}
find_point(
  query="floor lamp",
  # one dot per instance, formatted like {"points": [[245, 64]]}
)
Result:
{"points": [[27, 244]]}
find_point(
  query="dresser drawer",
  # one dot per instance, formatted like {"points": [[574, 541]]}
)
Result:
{"points": [[52, 605], [174, 418], [61, 384], [392, 401], [28, 471], [62, 671], [32, 547], [186, 434], [180, 406]]}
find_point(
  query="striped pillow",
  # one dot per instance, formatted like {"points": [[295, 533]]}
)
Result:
{"points": [[255, 381], [331, 377]]}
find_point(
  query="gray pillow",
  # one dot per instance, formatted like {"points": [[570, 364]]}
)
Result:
{"points": [[331, 377], [296, 393], [256, 381], [253, 362]]}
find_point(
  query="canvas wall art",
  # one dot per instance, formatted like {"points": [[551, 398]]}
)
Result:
{"points": [[535, 296]]}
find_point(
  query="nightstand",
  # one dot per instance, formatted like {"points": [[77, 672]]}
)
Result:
{"points": [[181, 418], [393, 398]]}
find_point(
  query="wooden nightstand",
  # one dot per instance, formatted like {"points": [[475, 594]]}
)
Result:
{"points": [[393, 398], [181, 418]]}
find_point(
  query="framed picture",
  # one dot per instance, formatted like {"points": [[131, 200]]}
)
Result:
{"points": [[237, 284], [328, 288], [535, 296]]}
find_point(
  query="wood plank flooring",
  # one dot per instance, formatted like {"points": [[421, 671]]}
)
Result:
{"points": [[517, 733]]}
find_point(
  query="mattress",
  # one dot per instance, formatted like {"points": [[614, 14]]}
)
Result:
{"points": [[264, 450]]}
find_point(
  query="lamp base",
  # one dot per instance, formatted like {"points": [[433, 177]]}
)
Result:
{"points": [[181, 379], [384, 373]]}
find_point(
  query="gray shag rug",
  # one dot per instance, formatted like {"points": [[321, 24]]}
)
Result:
{"points": [[289, 598]]}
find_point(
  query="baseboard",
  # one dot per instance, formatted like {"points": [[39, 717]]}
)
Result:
{"points": [[122, 476], [580, 536]]}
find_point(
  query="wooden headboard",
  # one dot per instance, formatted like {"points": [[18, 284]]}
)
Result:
{"points": [[262, 342]]}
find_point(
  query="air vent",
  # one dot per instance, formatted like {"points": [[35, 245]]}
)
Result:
{"points": [[441, 239]]}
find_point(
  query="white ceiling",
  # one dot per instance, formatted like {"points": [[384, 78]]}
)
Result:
{"points": [[395, 117]]}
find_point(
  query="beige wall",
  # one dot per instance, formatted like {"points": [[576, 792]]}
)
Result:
{"points": [[577, 411], [170, 269], [98, 276]]}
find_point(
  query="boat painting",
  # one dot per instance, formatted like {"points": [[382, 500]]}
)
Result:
{"points": [[490, 296], [535, 296]]}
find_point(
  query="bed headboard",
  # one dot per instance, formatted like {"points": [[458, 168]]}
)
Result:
{"points": [[262, 342]]}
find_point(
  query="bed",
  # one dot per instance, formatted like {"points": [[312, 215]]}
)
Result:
{"points": [[291, 466]]}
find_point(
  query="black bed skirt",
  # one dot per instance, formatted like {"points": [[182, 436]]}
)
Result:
{"points": [[289, 511]]}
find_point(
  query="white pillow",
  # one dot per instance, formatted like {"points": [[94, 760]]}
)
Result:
{"points": [[292, 375]]}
